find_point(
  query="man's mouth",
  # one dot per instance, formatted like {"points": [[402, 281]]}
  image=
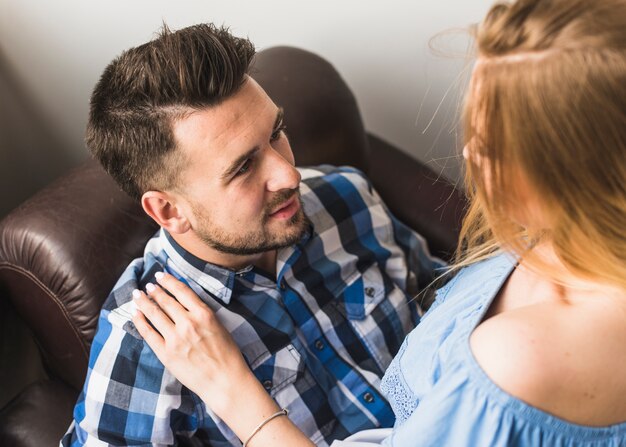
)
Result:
{"points": [[287, 209]]}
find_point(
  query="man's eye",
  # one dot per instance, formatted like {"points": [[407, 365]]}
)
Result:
{"points": [[244, 167], [278, 133]]}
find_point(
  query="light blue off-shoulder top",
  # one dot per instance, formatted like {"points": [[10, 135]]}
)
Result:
{"points": [[442, 397]]}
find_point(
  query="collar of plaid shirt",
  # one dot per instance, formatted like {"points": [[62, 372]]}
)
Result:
{"points": [[216, 280]]}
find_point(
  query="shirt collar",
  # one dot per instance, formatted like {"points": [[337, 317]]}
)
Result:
{"points": [[216, 280]]}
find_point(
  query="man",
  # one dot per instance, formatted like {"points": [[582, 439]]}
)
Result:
{"points": [[305, 267]]}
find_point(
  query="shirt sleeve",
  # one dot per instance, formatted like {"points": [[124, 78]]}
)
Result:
{"points": [[129, 398]]}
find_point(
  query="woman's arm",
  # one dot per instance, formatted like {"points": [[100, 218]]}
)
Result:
{"points": [[191, 343]]}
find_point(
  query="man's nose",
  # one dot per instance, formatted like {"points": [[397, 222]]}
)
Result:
{"points": [[282, 174]]}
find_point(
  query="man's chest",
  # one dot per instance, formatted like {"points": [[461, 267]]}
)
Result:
{"points": [[358, 312]]}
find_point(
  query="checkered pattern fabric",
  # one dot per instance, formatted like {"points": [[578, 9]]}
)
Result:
{"points": [[318, 336]]}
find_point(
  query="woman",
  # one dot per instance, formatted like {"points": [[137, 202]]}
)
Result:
{"points": [[525, 345]]}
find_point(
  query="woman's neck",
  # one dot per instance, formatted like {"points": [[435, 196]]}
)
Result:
{"points": [[569, 283]]}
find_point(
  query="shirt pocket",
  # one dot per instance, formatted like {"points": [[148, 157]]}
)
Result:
{"points": [[378, 312], [279, 370], [288, 381], [362, 293]]}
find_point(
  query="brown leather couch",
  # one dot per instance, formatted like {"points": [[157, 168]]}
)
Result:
{"points": [[62, 250]]}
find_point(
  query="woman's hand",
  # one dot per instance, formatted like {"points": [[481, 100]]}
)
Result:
{"points": [[190, 341], [197, 349]]}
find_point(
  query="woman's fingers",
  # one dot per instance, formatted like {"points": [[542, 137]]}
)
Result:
{"points": [[153, 312], [149, 334], [181, 291], [192, 345], [172, 308]]}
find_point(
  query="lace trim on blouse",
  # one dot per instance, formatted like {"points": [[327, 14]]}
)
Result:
{"points": [[402, 400]]}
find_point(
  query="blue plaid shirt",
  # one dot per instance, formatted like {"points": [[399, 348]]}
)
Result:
{"points": [[319, 336]]}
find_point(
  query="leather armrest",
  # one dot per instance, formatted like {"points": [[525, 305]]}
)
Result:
{"points": [[20, 360], [39, 416], [61, 251]]}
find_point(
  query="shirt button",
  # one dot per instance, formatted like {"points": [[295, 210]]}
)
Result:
{"points": [[368, 397], [319, 345], [369, 291], [283, 284], [267, 384]]}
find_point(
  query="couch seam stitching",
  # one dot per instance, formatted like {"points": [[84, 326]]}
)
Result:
{"points": [[47, 291]]}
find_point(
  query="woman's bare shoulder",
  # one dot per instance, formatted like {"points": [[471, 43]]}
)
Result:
{"points": [[563, 360]]}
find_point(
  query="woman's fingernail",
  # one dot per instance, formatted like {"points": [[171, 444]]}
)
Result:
{"points": [[158, 275], [150, 287], [136, 294]]}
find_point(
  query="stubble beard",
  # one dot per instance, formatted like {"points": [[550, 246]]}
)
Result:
{"points": [[254, 242]]}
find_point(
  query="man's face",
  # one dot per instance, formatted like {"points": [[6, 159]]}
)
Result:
{"points": [[240, 189]]}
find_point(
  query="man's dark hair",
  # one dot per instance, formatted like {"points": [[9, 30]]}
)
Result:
{"points": [[143, 91]]}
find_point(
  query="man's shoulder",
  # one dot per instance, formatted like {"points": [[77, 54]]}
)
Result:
{"points": [[343, 197], [315, 176], [137, 273], [118, 307], [324, 185]]}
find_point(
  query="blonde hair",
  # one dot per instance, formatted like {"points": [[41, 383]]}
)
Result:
{"points": [[547, 101]]}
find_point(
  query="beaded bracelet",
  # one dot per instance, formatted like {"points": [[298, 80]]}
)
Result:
{"points": [[283, 412]]}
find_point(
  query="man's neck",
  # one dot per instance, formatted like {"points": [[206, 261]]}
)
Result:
{"points": [[266, 261]]}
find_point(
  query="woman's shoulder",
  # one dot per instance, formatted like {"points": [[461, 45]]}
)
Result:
{"points": [[562, 360], [480, 278]]}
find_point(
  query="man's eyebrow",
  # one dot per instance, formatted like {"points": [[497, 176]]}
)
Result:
{"points": [[279, 117], [238, 161]]}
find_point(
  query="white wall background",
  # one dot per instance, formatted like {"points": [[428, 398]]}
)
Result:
{"points": [[52, 53]]}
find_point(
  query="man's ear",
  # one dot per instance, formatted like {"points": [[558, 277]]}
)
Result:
{"points": [[165, 211]]}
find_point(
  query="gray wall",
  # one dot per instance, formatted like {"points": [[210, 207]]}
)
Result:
{"points": [[52, 53]]}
